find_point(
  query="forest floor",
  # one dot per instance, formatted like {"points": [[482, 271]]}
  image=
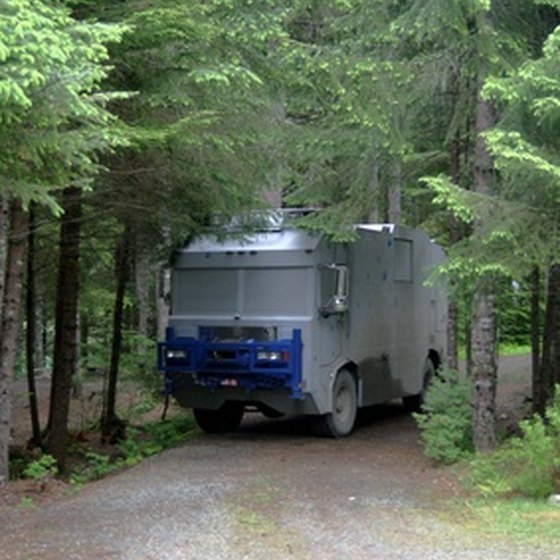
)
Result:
{"points": [[275, 491]]}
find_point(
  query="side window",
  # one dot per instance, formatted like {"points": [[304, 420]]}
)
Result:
{"points": [[403, 260]]}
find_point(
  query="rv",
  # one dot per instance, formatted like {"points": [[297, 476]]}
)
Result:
{"points": [[286, 322]]}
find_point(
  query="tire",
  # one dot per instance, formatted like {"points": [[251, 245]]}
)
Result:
{"points": [[413, 403], [340, 422], [225, 419]]}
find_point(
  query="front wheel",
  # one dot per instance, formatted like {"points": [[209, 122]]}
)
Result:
{"points": [[225, 419], [340, 422]]}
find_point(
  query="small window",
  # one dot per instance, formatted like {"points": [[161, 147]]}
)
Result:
{"points": [[403, 260]]}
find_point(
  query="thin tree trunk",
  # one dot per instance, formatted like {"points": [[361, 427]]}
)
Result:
{"points": [[9, 325], [536, 339], [31, 332], [163, 292], [77, 378], [163, 300], [469, 346], [110, 424], [3, 242], [394, 196], [374, 188], [454, 237], [142, 271], [65, 325], [551, 339], [84, 340], [452, 338]]}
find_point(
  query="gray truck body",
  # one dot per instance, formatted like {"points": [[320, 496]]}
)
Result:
{"points": [[388, 331]]}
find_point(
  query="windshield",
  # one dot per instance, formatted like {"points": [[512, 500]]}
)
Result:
{"points": [[247, 292]]}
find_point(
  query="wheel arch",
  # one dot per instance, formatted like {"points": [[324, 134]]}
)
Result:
{"points": [[435, 357]]}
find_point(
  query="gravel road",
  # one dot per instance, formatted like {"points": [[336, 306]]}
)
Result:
{"points": [[271, 491]]}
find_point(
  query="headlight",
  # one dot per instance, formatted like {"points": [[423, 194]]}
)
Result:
{"points": [[272, 356], [177, 354]]}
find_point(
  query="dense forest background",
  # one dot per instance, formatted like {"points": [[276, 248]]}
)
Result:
{"points": [[127, 127]]}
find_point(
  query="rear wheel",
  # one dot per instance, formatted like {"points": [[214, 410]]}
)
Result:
{"points": [[225, 419], [340, 422]]}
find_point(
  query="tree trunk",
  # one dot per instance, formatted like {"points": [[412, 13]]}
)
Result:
{"points": [[111, 426], [374, 189], [484, 369], [536, 339], [9, 325], [142, 275], [454, 236], [65, 325], [452, 335], [484, 372], [551, 340], [3, 243], [31, 332], [163, 300], [394, 195]]}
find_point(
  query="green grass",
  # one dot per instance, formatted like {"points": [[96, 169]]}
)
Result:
{"points": [[505, 349], [514, 349], [522, 522]]}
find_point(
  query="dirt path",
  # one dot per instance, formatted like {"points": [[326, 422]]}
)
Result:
{"points": [[271, 491]]}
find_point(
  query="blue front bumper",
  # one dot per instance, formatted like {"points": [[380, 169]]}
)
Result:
{"points": [[249, 364]]}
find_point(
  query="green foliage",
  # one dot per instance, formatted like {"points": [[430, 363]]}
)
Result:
{"points": [[44, 466], [53, 116], [445, 422], [526, 151], [514, 316], [451, 196], [139, 444], [526, 465], [95, 465]]}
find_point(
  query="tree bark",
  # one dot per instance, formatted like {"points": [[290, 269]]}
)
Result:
{"points": [[9, 325], [454, 236], [3, 242], [31, 332], [163, 300], [142, 270], [536, 380], [373, 214], [484, 372], [65, 325], [110, 424], [452, 335], [394, 195], [551, 340]]}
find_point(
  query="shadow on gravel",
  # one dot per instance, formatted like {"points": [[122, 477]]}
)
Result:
{"points": [[373, 417]]}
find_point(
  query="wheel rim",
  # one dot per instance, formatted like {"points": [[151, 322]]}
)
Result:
{"points": [[344, 404]]}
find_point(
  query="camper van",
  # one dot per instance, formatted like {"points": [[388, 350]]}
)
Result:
{"points": [[287, 322]]}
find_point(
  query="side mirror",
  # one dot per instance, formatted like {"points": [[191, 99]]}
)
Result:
{"points": [[334, 289]]}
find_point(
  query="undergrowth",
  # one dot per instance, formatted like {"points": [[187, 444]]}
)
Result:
{"points": [[140, 443], [90, 464], [527, 465], [445, 420]]}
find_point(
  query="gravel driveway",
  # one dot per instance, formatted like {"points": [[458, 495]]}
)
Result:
{"points": [[271, 491]]}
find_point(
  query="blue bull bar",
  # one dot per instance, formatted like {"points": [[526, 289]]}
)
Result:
{"points": [[249, 364]]}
